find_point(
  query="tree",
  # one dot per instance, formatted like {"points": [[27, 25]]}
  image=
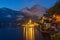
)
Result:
{"points": [[55, 8]]}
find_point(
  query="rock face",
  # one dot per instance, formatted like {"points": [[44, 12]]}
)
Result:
{"points": [[36, 10], [55, 8], [9, 15]]}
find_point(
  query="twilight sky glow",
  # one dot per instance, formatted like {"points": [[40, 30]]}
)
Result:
{"points": [[19, 4]]}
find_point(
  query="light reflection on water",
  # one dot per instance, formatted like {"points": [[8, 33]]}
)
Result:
{"points": [[15, 33], [29, 33]]}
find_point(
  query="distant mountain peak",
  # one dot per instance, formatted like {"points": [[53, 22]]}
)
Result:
{"points": [[4, 8], [36, 10], [26, 8], [7, 9], [38, 7]]}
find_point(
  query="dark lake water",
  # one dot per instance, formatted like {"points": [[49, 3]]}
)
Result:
{"points": [[11, 33], [15, 33]]}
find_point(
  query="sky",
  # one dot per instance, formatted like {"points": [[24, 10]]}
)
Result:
{"points": [[19, 4]]}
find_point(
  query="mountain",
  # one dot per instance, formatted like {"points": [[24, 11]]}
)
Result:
{"points": [[55, 8], [36, 10], [8, 15]]}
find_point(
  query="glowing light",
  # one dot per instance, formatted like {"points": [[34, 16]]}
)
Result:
{"points": [[58, 18], [29, 30], [54, 15], [42, 20]]}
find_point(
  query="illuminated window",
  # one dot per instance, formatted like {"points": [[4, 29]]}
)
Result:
{"points": [[58, 18]]}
